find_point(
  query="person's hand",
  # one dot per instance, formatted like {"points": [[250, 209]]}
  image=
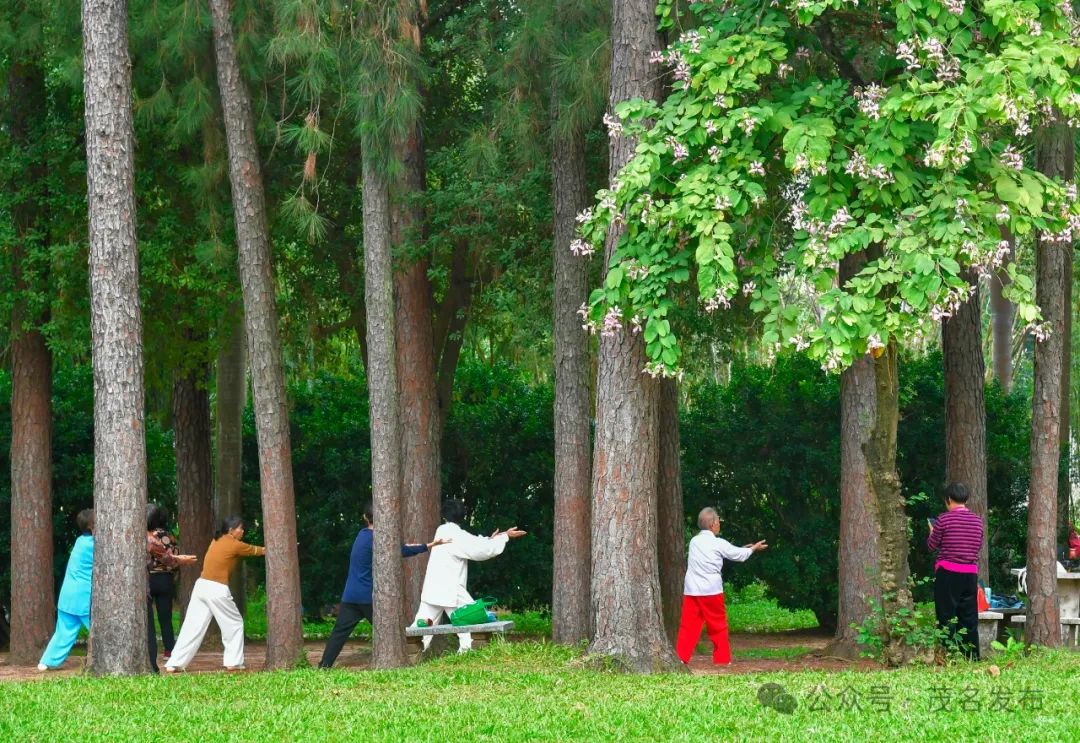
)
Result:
{"points": [[758, 546], [513, 532], [187, 559], [439, 541]]}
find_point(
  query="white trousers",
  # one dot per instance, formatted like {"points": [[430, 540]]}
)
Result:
{"points": [[209, 599], [434, 614]]}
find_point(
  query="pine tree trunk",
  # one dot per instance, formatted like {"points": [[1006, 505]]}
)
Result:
{"points": [[118, 633], [231, 399], [1003, 313], [421, 421], [857, 585], [892, 521], [32, 588], [1065, 515], [671, 518], [571, 574], [1054, 157], [284, 642], [194, 483], [625, 580], [388, 647], [965, 410]]}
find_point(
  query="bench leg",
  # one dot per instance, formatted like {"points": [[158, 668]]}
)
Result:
{"points": [[414, 648]]}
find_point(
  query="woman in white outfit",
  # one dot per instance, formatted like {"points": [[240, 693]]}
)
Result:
{"points": [[211, 598], [448, 568]]}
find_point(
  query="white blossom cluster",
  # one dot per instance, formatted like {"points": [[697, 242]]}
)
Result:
{"points": [[949, 305], [858, 166], [1010, 158], [1039, 331], [1067, 235], [869, 99], [581, 248], [613, 124], [678, 149], [938, 156], [720, 299], [657, 370], [946, 67], [1013, 114], [635, 270]]}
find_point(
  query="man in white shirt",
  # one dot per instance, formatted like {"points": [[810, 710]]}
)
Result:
{"points": [[448, 568], [703, 588]]}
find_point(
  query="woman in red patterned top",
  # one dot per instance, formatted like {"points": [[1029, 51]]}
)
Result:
{"points": [[163, 558], [957, 537]]}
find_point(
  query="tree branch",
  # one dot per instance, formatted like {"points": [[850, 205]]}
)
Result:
{"points": [[832, 50]]}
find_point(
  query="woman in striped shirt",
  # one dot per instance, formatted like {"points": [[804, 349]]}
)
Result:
{"points": [[957, 537]]}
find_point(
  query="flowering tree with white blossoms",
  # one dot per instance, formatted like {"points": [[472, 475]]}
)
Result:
{"points": [[778, 153], [798, 133]]}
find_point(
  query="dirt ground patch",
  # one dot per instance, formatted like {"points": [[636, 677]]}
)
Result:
{"points": [[799, 650]]}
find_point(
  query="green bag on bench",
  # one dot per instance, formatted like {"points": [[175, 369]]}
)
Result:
{"points": [[474, 613]]}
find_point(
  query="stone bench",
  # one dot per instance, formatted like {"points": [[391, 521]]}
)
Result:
{"points": [[1070, 629], [481, 634], [988, 630]]}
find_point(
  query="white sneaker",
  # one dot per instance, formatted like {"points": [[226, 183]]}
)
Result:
{"points": [[42, 667]]}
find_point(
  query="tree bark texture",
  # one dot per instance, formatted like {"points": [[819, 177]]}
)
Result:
{"points": [[118, 633], [625, 582], [231, 386], [194, 477], [421, 421], [671, 518], [892, 521], [858, 558], [388, 649], [284, 642], [1002, 315], [857, 583], [965, 409], [32, 587], [1065, 516], [1054, 157], [571, 574]]}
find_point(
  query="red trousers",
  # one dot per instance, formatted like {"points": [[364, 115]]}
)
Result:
{"points": [[708, 611]]}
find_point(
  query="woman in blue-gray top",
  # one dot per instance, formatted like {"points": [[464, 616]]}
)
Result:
{"points": [[73, 607], [356, 599]]}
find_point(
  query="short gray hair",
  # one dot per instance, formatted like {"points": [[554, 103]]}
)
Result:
{"points": [[707, 517]]}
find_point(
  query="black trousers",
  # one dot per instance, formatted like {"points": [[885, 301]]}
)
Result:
{"points": [[161, 598], [957, 606], [349, 615]]}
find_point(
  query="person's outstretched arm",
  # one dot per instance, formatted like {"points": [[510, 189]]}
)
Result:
{"points": [[477, 548], [249, 550], [736, 554]]}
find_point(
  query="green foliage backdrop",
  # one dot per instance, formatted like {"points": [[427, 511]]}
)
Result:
{"points": [[764, 448]]}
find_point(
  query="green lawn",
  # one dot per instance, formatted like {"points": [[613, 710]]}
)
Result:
{"points": [[751, 609], [537, 692]]}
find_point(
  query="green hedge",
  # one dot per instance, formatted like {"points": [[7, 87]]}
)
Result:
{"points": [[764, 448]]}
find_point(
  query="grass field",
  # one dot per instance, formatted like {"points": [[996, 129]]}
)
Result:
{"points": [[538, 692]]}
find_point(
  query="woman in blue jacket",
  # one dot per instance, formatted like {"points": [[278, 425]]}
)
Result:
{"points": [[73, 607]]}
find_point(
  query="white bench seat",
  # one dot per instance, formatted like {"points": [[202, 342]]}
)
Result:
{"points": [[487, 628], [481, 634], [1070, 629]]}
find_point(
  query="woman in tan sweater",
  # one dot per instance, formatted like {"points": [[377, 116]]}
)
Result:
{"points": [[211, 598]]}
